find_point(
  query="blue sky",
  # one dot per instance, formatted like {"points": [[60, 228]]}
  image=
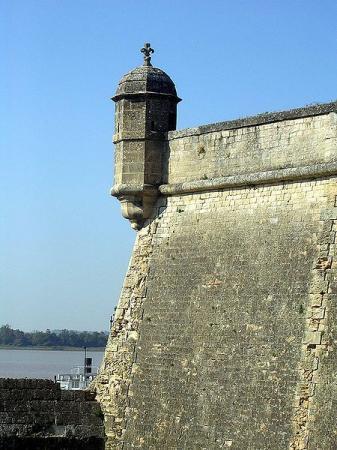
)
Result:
{"points": [[64, 247]]}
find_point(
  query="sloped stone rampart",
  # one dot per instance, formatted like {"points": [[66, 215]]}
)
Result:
{"points": [[220, 352], [225, 332]]}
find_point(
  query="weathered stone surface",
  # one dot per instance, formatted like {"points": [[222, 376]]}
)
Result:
{"points": [[291, 143], [224, 332]]}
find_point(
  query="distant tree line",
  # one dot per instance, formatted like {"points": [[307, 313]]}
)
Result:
{"points": [[61, 338]]}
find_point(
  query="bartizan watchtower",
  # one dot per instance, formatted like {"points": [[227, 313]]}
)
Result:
{"points": [[146, 109]]}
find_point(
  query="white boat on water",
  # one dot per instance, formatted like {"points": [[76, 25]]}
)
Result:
{"points": [[79, 377]]}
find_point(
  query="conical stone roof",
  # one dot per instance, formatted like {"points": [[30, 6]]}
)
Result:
{"points": [[147, 80]]}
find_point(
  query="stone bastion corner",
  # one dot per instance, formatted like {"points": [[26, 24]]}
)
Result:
{"points": [[225, 332]]}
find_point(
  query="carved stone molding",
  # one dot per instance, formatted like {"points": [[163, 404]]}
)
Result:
{"points": [[137, 202]]}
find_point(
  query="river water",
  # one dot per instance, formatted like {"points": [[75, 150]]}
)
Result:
{"points": [[43, 363]]}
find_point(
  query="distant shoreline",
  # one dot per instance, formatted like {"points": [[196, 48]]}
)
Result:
{"points": [[70, 349]]}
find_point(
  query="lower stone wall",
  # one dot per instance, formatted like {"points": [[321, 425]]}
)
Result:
{"points": [[37, 414]]}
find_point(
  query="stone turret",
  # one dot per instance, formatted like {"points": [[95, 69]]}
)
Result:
{"points": [[146, 109]]}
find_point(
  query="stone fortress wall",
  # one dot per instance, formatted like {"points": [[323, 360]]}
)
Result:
{"points": [[226, 329], [225, 332]]}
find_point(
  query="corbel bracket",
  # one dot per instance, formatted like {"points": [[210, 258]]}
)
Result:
{"points": [[137, 202]]}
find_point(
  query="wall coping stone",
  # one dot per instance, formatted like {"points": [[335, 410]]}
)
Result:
{"points": [[260, 119], [251, 179]]}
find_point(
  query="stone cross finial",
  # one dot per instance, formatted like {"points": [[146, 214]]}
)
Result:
{"points": [[147, 50]]}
